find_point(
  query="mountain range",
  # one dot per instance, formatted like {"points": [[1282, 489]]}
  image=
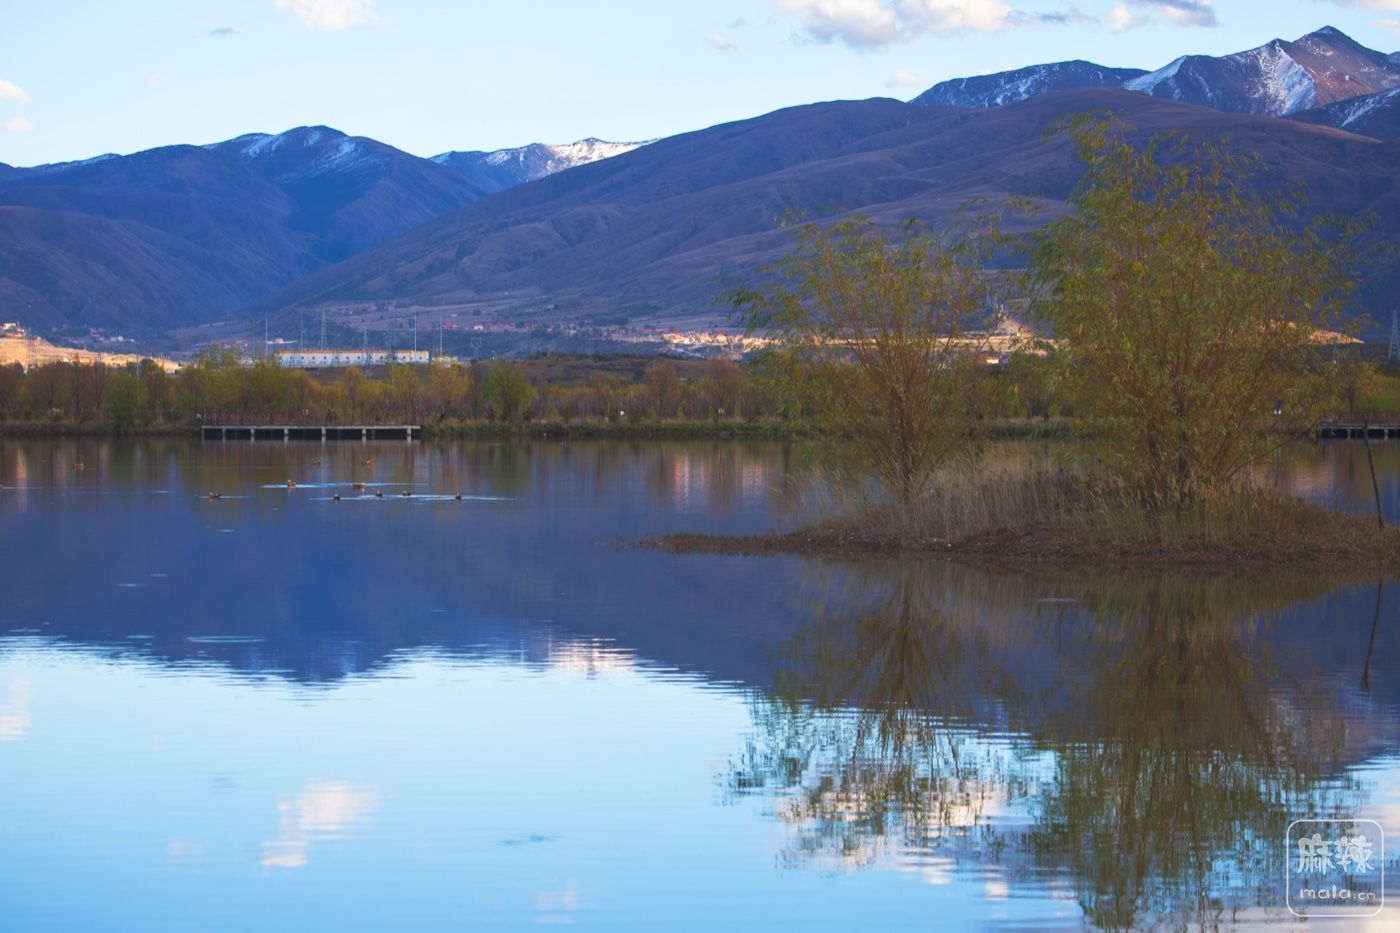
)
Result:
{"points": [[313, 218], [652, 235], [185, 234], [1308, 78]]}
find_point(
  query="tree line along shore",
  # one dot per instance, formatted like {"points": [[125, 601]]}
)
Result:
{"points": [[547, 395]]}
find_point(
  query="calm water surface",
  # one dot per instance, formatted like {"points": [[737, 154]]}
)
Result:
{"points": [[279, 711]]}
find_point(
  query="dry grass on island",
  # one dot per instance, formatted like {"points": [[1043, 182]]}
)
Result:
{"points": [[1022, 515]]}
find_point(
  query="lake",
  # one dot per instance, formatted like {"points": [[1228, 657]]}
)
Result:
{"points": [[279, 711]]}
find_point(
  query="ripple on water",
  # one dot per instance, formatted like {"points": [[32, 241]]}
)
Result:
{"points": [[346, 485], [224, 639], [418, 497]]}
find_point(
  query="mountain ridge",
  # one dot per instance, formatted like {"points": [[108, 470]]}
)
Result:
{"points": [[652, 234], [1278, 78], [1375, 115], [1007, 87], [188, 233]]}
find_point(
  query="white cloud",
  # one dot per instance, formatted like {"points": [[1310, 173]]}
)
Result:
{"points": [[1130, 14], [330, 15], [11, 91], [861, 24], [20, 125], [1176, 12], [1071, 16], [957, 15], [155, 80], [872, 24], [904, 79], [720, 43], [1380, 6], [221, 32]]}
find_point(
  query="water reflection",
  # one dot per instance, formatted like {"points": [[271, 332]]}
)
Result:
{"points": [[1146, 739], [272, 579], [14, 710], [490, 711], [709, 477], [1336, 474], [322, 810]]}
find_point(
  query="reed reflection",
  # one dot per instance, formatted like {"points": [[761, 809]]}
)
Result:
{"points": [[1149, 739]]}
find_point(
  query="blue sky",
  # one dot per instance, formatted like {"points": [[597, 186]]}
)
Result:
{"points": [[82, 77]]}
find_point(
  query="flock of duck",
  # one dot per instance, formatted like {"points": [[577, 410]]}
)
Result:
{"points": [[359, 487]]}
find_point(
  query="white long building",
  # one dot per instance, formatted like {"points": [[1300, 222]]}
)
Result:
{"points": [[328, 359]]}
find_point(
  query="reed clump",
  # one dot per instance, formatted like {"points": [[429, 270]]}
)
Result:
{"points": [[1035, 511]]}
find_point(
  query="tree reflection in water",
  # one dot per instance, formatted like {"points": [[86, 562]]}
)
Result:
{"points": [[1142, 741]]}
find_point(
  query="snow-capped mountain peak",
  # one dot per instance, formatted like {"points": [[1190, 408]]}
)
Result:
{"points": [[505, 168], [1147, 82], [261, 145], [588, 150]]}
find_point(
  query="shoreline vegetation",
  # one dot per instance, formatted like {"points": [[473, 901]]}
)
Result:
{"points": [[770, 429], [765, 429]]}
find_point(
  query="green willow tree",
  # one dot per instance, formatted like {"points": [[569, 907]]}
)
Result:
{"points": [[507, 390], [125, 398], [268, 383], [1187, 306], [873, 341]]}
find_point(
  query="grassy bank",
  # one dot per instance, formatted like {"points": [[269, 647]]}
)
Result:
{"points": [[632, 429], [642, 429], [678, 429], [94, 429], [467, 430], [1022, 516]]}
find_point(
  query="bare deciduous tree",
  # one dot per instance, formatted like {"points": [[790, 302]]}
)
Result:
{"points": [[873, 339], [1187, 306]]}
